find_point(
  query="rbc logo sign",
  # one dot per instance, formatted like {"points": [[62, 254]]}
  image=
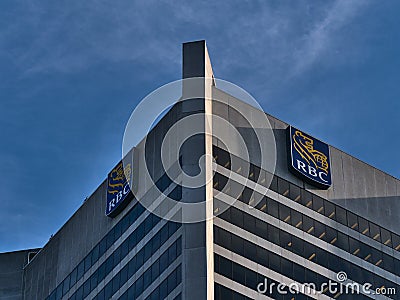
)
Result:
{"points": [[309, 158], [118, 188]]}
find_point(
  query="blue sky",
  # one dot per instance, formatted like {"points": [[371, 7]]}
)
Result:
{"points": [[71, 72]]}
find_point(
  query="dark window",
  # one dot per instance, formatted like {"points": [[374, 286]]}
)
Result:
{"points": [[250, 223], [237, 245], [283, 187], [297, 246], [261, 229], [329, 210], [296, 219], [225, 267], [284, 213], [363, 226], [342, 241], [308, 225], [285, 240], [331, 235], [341, 215], [81, 270], [95, 254], [273, 234], [318, 204], [306, 198], [352, 221], [386, 237], [320, 230], [294, 192], [237, 217], [86, 288], [239, 274], [147, 278], [73, 278], [354, 246], [396, 242], [272, 208], [375, 232]]}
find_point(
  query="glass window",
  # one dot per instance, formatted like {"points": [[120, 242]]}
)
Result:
{"points": [[81, 270], [172, 282], [396, 242], [375, 232], [306, 198], [66, 285], [386, 237], [251, 279], [95, 254], [388, 263], [147, 278], [235, 189], [285, 240], [86, 288], [249, 222], [354, 246], [262, 256], [342, 241], [296, 219], [352, 221], [329, 210], [139, 286], [164, 261], [110, 238], [225, 267], [132, 240], [273, 234], [109, 264], [320, 230], [73, 278], [155, 270], [262, 205], [272, 208], [309, 252], [93, 281], [275, 262], [294, 192], [331, 235], [101, 272], [318, 204], [272, 181], [124, 274], [297, 246], [239, 274], [363, 226], [284, 213], [237, 217], [171, 253], [308, 225], [283, 187], [376, 258], [261, 229], [254, 173], [341, 215], [237, 245]]}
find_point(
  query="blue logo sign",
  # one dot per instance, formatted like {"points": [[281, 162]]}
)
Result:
{"points": [[309, 158], [119, 187]]}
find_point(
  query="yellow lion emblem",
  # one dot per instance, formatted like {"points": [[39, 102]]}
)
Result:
{"points": [[305, 147]]}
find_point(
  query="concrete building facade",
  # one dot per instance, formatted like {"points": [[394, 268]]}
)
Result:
{"points": [[263, 226]]}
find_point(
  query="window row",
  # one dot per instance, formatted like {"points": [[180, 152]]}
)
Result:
{"points": [[304, 223], [166, 287], [252, 279], [223, 293], [145, 280], [120, 253], [108, 240], [304, 249], [300, 195]]}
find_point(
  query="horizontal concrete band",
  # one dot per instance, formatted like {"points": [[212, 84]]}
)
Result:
{"points": [[235, 286], [304, 236], [268, 273], [307, 211], [120, 240]]}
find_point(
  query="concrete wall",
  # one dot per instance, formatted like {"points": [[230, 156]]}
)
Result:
{"points": [[356, 185], [11, 273]]}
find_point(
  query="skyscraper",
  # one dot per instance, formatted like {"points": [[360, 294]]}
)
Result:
{"points": [[279, 214]]}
